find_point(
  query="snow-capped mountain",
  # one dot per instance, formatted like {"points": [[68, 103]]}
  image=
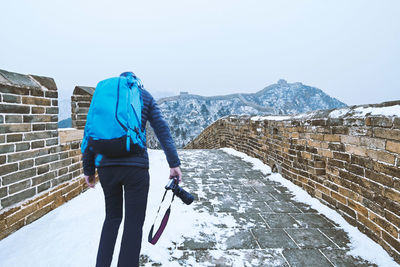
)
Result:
{"points": [[187, 115]]}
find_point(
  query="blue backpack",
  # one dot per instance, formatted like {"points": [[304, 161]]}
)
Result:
{"points": [[113, 125]]}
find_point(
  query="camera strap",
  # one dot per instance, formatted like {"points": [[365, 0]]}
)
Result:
{"points": [[153, 239]]}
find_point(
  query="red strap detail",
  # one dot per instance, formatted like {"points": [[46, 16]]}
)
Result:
{"points": [[153, 240]]}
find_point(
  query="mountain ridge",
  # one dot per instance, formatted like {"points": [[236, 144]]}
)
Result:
{"points": [[188, 114], [196, 112]]}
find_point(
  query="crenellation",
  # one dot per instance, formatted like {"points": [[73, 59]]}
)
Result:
{"points": [[80, 102], [35, 158]]}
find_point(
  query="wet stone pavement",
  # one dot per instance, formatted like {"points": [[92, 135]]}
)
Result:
{"points": [[269, 227]]}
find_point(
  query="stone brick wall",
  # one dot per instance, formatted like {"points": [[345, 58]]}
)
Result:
{"points": [[40, 167], [80, 103], [351, 164]]}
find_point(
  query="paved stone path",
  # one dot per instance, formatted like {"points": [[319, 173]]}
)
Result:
{"points": [[271, 228]]}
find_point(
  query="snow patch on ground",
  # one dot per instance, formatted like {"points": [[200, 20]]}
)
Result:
{"points": [[70, 234], [361, 245], [257, 164], [184, 221], [270, 118]]}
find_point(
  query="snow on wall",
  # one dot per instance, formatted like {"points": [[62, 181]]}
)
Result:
{"points": [[349, 159]]}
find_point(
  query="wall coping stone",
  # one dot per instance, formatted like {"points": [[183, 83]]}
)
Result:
{"points": [[83, 90], [69, 135]]}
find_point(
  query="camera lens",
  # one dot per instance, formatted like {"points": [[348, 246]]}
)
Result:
{"points": [[186, 197]]}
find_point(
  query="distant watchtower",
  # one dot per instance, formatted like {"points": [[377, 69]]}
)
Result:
{"points": [[282, 82], [184, 93]]}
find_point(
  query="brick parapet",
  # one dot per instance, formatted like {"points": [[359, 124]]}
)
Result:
{"points": [[351, 164], [80, 103], [40, 165]]}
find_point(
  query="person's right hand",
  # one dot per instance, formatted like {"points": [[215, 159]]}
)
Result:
{"points": [[176, 172], [90, 180]]}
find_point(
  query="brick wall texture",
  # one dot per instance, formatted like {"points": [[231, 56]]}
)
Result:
{"points": [[80, 103], [350, 164], [37, 172]]}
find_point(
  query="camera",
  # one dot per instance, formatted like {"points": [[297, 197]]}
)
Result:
{"points": [[185, 196]]}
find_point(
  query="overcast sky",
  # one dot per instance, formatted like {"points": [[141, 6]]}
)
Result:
{"points": [[350, 49]]}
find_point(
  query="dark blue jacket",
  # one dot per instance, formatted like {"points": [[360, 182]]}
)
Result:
{"points": [[151, 113]]}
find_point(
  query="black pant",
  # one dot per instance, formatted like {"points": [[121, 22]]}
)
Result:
{"points": [[135, 182]]}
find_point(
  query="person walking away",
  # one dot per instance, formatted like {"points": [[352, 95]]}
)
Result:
{"points": [[129, 175]]}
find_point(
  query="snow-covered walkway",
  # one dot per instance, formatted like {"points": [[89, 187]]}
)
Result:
{"points": [[242, 216]]}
